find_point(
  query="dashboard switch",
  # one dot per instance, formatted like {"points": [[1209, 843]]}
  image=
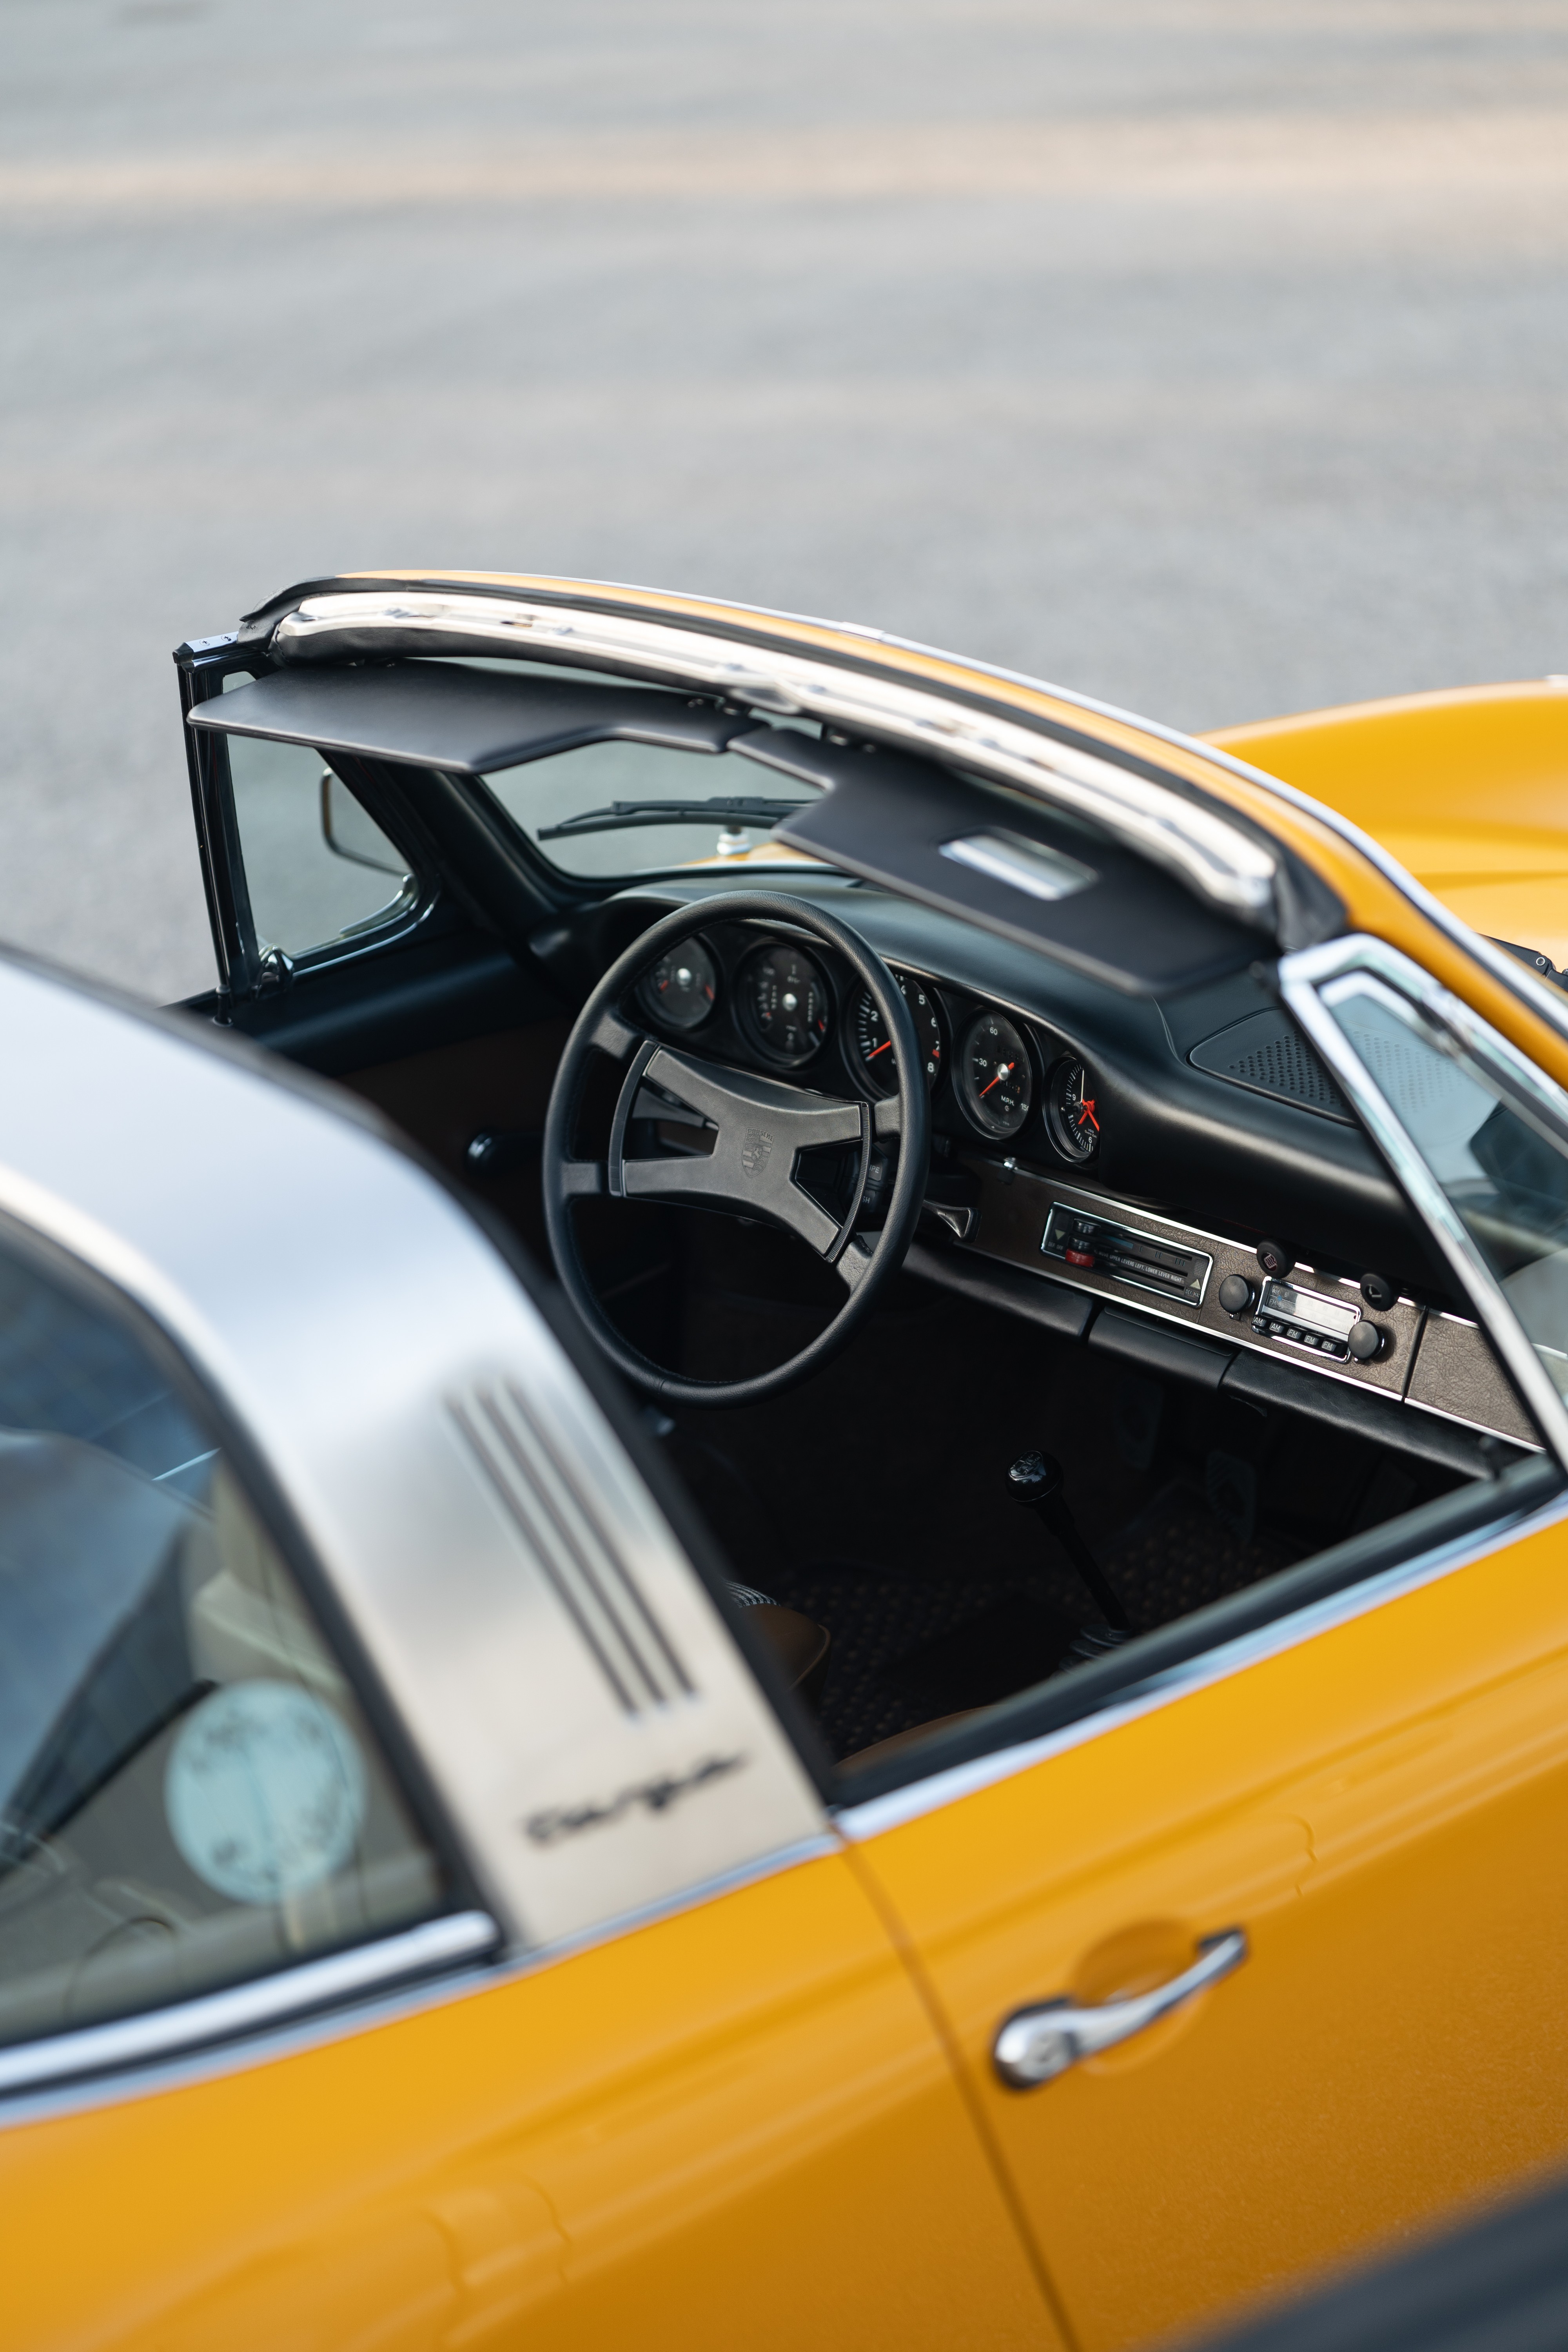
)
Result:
{"points": [[1236, 1295], [1364, 1341], [1275, 1259], [1377, 1290]]}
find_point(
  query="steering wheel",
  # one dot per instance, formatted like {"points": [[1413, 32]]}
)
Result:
{"points": [[763, 1127]]}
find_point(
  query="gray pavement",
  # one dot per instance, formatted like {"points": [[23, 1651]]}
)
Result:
{"points": [[1207, 355]]}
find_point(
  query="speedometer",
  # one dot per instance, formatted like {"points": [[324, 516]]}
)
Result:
{"points": [[875, 1047], [996, 1081]]}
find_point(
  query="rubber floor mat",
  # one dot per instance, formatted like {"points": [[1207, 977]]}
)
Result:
{"points": [[906, 1648]]}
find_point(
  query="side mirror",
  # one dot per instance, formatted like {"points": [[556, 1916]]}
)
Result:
{"points": [[349, 832]]}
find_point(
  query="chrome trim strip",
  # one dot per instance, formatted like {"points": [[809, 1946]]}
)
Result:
{"points": [[219, 2016], [381, 2006], [1304, 980], [860, 1823], [1214, 857]]}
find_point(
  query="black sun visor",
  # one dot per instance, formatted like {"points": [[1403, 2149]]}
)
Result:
{"points": [[466, 722]]}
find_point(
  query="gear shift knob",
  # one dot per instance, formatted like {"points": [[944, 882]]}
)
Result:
{"points": [[1035, 1481], [1035, 1478]]}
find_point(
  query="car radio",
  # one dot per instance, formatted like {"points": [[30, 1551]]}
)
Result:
{"points": [[1305, 1319]]}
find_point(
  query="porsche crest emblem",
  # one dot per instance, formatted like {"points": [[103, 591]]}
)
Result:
{"points": [[756, 1150]]}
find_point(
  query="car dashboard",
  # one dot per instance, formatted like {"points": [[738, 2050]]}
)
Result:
{"points": [[1177, 1183]]}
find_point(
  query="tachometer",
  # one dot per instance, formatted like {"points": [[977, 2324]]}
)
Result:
{"points": [[682, 988], [1072, 1113], [875, 1047], [996, 1082], [786, 999]]}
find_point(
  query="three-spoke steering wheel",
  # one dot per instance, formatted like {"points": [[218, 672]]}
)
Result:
{"points": [[762, 1125]]}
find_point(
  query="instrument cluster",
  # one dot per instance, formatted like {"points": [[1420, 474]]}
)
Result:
{"points": [[767, 1000]]}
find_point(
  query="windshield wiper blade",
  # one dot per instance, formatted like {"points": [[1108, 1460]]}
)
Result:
{"points": [[621, 813]]}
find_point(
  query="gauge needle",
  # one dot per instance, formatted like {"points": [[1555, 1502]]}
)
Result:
{"points": [[878, 1049], [1086, 1110], [998, 1078]]}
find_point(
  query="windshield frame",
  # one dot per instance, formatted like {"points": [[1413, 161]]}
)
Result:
{"points": [[1312, 982]]}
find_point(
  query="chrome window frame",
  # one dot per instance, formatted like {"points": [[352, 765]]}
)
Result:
{"points": [[245, 968], [1311, 982], [455, 1940], [1224, 862]]}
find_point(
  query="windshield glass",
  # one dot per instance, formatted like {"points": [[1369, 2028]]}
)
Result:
{"points": [[596, 811]]}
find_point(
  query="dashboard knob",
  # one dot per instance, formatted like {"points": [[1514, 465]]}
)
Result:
{"points": [[1275, 1259], [1364, 1341], [1377, 1290], [1236, 1295]]}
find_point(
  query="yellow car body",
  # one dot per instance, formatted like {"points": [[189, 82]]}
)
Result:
{"points": [[769, 2117]]}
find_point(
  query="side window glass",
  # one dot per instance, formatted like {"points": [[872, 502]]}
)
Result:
{"points": [[189, 1791], [1504, 1176], [318, 868]]}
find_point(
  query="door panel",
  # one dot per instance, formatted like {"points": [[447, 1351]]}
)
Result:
{"points": [[734, 2126], [1384, 1809], [380, 1005]]}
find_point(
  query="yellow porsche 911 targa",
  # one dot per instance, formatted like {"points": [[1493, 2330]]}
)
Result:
{"points": [[783, 1527]]}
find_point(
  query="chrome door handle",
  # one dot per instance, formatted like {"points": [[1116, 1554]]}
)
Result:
{"points": [[1034, 2045]]}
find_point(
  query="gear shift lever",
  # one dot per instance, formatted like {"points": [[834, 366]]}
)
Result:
{"points": [[1035, 1481]]}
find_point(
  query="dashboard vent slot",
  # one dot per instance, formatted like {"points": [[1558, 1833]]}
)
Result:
{"points": [[1268, 1053], [559, 1521]]}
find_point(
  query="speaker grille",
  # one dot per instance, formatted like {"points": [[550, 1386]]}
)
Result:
{"points": [[1268, 1053]]}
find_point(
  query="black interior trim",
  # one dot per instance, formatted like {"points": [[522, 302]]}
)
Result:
{"points": [[404, 1000], [1259, 1380], [1067, 1313], [1156, 1348]]}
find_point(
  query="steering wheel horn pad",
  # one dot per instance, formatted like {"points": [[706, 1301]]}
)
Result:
{"points": [[761, 1126]]}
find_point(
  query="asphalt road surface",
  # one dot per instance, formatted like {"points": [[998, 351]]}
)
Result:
{"points": [[1210, 356]]}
